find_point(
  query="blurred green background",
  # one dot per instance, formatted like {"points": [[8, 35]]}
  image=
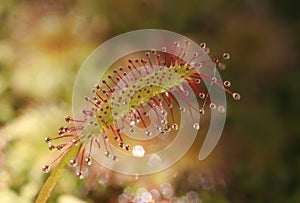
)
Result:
{"points": [[44, 42]]}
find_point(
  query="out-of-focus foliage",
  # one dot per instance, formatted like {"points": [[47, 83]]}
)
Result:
{"points": [[44, 42]]}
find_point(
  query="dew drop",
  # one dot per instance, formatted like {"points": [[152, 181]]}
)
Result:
{"points": [[155, 195], [88, 160], [196, 126], [221, 66], [175, 126], [148, 132], [212, 106], [164, 121], [115, 158], [221, 109], [166, 190], [46, 168], [192, 196], [123, 198], [82, 173], [202, 95], [51, 147], [138, 151], [164, 49], [146, 197], [226, 56], [182, 109], [203, 45], [132, 123], [227, 83], [206, 50], [236, 96], [202, 111], [73, 163], [107, 154], [47, 140], [103, 178], [214, 79]]}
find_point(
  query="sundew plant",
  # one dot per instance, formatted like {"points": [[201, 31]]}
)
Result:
{"points": [[132, 90]]}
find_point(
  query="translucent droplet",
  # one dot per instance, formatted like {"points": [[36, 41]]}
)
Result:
{"points": [[164, 121], [196, 126], [132, 123], [177, 44], [148, 132], [155, 195], [175, 126], [51, 147], [73, 163], [206, 50], [221, 109], [138, 151], [154, 160], [202, 111], [107, 154], [226, 56], [182, 109], [221, 66], [166, 190], [203, 45], [88, 160], [127, 191], [103, 178], [212, 106], [214, 79], [146, 197], [46, 168], [123, 198], [202, 95], [236, 96], [184, 199], [192, 196], [82, 172], [227, 83], [140, 191]]}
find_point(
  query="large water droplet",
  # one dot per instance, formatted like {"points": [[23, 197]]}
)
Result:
{"points": [[227, 83], [166, 190], [138, 151], [82, 172], [146, 197], [148, 132], [196, 126], [103, 178], [226, 56], [155, 195], [221, 109], [236, 96], [123, 198], [212, 106], [175, 126], [46, 168]]}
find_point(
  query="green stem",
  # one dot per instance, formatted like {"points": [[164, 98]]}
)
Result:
{"points": [[55, 175]]}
